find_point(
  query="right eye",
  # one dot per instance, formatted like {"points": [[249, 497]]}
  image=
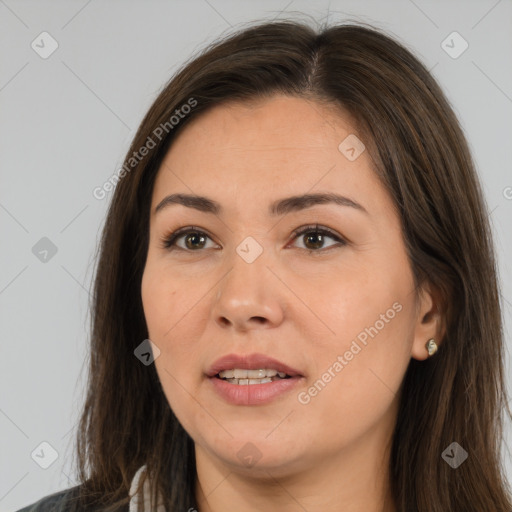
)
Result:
{"points": [[194, 239]]}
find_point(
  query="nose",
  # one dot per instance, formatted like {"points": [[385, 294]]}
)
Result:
{"points": [[249, 297]]}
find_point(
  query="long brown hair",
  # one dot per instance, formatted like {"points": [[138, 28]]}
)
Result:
{"points": [[421, 156]]}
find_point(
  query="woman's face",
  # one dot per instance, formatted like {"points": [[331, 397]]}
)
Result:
{"points": [[339, 310]]}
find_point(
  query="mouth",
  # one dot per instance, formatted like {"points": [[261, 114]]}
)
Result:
{"points": [[250, 369], [253, 379], [243, 377]]}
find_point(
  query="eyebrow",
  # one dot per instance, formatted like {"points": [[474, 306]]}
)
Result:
{"points": [[277, 208]]}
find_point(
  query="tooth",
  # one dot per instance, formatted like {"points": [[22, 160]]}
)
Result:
{"points": [[256, 374], [243, 382], [261, 374]]}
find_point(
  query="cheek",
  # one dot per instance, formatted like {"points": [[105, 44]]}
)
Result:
{"points": [[372, 316], [374, 358], [168, 310], [351, 301], [159, 298], [163, 310]]}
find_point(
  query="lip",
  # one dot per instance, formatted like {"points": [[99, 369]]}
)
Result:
{"points": [[250, 362], [252, 394]]}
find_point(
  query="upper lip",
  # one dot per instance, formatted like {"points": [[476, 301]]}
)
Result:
{"points": [[250, 362]]}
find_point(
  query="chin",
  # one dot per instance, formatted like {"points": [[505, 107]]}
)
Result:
{"points": [[259, 458]]}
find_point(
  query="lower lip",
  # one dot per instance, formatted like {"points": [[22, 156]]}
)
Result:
{"points": [[253, 394]]}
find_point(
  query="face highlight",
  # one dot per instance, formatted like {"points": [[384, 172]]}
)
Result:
{"points": [[321, 285]]}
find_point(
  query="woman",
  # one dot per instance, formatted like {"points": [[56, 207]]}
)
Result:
{"points": [[296, 302]]}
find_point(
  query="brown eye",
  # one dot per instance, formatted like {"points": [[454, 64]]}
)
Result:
{"points": [[195, 239], [314, 238]]}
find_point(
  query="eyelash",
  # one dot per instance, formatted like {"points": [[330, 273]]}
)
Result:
{"points": [[169, 241]]}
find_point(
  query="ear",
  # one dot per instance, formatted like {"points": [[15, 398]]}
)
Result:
{"points": [[430, 322]]}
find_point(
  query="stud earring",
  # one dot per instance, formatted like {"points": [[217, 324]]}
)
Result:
{"points": [[431, 347]]}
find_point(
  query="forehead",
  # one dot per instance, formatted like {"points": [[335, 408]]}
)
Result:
{"points": [[279, 123], [274, 146]]}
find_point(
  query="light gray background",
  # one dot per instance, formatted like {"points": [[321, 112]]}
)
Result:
{"points": [[66, 123]]}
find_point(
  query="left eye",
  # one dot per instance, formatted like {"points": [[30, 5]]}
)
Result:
{"points": [[195, 238], [318, 235]]}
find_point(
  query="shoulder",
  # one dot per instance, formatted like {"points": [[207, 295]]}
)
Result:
{"points": [[61, 501], [55, 502]]}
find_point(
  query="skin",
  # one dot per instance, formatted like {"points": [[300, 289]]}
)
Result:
{"points": [[299, 306]]}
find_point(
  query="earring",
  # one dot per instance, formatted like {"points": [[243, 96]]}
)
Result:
{"points": [[431, 347]]}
